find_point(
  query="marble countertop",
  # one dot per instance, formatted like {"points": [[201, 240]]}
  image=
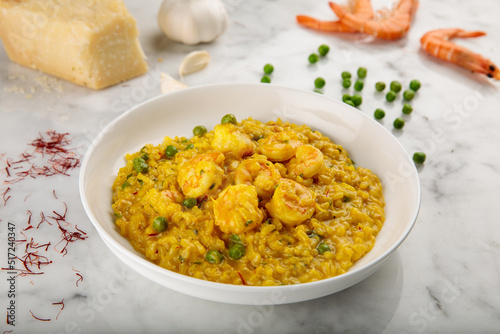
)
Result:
{"points": [[445, 278]]}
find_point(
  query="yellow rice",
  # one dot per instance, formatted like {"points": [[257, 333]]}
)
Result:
{"points": [[348, 214]]}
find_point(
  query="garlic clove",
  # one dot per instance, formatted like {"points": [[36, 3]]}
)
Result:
{"points": [[169, 84], [194, 62]]}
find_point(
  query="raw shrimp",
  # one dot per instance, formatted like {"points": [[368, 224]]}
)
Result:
{"points": [[308, 161], [437, 44], [359, 8], [259, 172], [280, 146], [236, 210], [230, 138], [292, 203], [390, 25], [202, 174]]}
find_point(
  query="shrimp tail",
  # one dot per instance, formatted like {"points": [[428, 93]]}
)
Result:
{"points": [[327, 26]]}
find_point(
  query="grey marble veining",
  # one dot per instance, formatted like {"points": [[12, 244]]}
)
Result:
{"points": [[445, 278]]}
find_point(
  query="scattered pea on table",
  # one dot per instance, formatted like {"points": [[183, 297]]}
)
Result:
{"points": [[362, 72], [323, 50], [408, 95], [419, 157], [380, 86], [319, 82], [358, 85], [357, 99], [313, 58], [379, 113], [346, 75], [399, 123], [395, 86], [265, 79], [415, 85], [407, 109], [390, 96], [268, 69]]}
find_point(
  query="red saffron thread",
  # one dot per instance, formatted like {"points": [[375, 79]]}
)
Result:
{"points": [[80, 279], [5, 199], [37, 318], [62, 307], [242, 279]]}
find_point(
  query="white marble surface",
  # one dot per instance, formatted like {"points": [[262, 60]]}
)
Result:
{"points": [[445, 278]]}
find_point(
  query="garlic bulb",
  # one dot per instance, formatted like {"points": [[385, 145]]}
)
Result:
{"points": [[192, 21]]}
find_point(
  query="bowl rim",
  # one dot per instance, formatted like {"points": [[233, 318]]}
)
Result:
{"points": [[110, 241]]}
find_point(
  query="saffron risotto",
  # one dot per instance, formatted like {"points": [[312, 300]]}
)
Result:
{"points": [[249, 203]]}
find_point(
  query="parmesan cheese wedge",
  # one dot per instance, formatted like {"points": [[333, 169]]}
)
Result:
{"points": [[91, 43]]}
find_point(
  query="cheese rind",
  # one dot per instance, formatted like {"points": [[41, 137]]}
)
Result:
{"points": [[92, 43]]}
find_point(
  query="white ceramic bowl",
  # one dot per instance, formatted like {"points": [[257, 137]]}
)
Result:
{"points": [[175, 114]]}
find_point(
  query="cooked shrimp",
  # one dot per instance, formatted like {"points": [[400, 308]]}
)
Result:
{"points": [[308, 161], [280, 146], [390, 25], [292, 203], [437, 44], [258, 172], [236, 210], [172, 196], [230, 138], [359, 8], [201, 175]]}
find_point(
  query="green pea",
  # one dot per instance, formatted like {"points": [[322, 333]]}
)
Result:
{"points": [[379, 113], [346, 75], [362, 72], [408, 95], [229, 118], [399, 123], [313, 58], [390, 96], [199, 130], [171, 151], [323, 50], [318, 91], [268, 68], [140, 165], [357, 99], [415, 85], [236, 251], [323, 247], [160, 224], [349, 102], [346, 97], [380, 86], [319, 82], [358, 85], [214, 256], [346, 83], [407, 109], [419, 157], [189, 146], [190, 202], [265, 79], [234, 239], [395, 86]]}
